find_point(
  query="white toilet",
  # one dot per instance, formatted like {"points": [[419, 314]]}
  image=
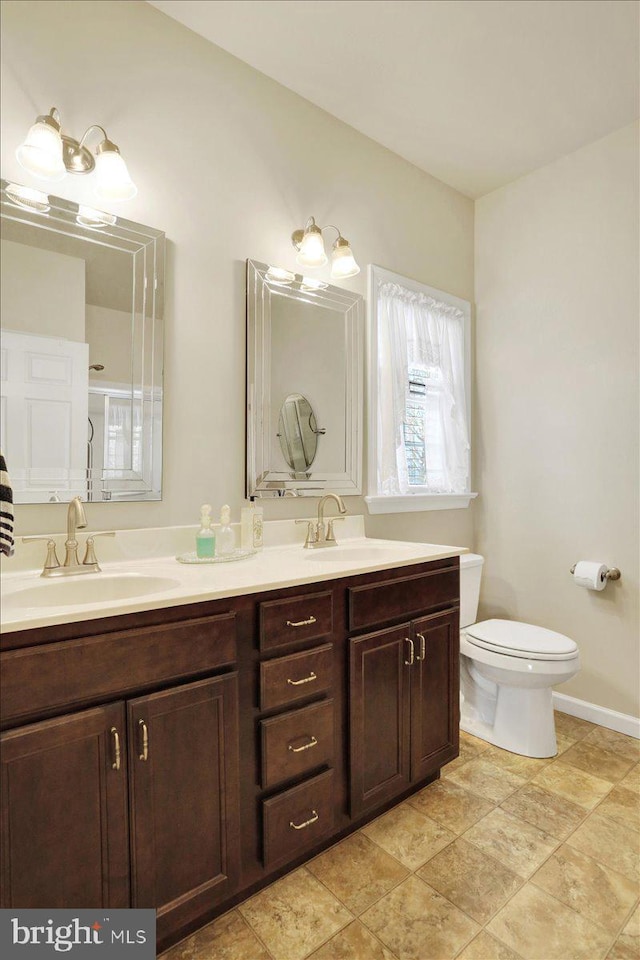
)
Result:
{"points": [[507, 670]]}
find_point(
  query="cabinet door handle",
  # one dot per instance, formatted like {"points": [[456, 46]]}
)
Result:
{"points": [[301, 623], [307, 823], [305, 746], [116, 749], [296, 683], [423, 646], [409, 662], [145, 740]]}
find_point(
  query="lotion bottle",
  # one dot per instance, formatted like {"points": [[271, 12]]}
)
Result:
{"points": [[205, 537], [226, 539]]}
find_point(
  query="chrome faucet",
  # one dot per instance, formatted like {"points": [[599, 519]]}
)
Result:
{"points": [[76, 520], [317, 536]]}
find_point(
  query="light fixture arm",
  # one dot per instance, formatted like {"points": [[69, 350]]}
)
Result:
{"points": [[94, 126]]}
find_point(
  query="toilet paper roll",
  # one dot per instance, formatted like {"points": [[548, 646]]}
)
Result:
{"points": [[590, 574]]}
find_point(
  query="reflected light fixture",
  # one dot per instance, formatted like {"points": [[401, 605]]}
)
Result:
{"points": [[309, 243], [94, 219], [28, 198], [49, 154]]}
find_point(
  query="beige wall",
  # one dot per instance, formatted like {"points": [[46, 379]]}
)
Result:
{"points": [[42, 291], [228, 163], [557, 405]]}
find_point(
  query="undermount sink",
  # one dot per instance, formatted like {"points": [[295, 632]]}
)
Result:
{"points": [[87, 589]]}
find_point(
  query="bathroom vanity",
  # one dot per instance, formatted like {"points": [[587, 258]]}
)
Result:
{"points": [[183, 755]]}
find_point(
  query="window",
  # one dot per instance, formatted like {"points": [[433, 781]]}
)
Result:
{"points": [[419, 456]]}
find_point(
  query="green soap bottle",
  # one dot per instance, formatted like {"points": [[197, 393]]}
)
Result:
{"points": [[205, 537]]}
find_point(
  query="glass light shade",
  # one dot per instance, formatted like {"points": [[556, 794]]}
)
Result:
{"points": [[311, 253], [112, 177], [28, 198], [278, 275], [343, 262], [41, 152], [94, 219]]}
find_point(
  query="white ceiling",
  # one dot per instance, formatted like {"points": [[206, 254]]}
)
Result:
{"points": [[475, 92]]}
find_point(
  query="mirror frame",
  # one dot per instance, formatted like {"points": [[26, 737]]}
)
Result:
{"points": [[146, 247], [261, 479]]}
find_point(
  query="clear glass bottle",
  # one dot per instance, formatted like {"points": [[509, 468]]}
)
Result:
{"points": [[226, 538], [205, 537]]}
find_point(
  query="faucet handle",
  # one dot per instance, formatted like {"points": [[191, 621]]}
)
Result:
{"points": [[89, 553], [331, 537], [52, 557], [311, 532]]}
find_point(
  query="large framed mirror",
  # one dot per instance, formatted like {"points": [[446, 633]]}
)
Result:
{"points": [[305, 360], [81, 351]]}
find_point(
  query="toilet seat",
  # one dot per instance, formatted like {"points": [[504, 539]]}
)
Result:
{"points": [[521, 640]]}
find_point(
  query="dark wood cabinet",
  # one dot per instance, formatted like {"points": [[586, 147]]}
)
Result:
{"points": [[64, 812], [183, 762], [435, 697], [181, 758], [67, 803], [403, 706], [379, 717]]}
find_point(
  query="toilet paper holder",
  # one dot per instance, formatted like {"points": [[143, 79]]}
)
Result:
{"points": [[611, 574]]}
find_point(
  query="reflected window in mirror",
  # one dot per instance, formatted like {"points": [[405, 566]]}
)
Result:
{"points": [[304, 385], [82, 352]]}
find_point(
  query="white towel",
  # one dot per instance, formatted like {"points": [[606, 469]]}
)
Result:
{"points": [[6, 511]]}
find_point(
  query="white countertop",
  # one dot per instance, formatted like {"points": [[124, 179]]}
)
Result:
{"points": [[274, 567]]}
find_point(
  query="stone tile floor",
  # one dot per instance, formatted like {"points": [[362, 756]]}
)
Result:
{"points": [[503, 858]]}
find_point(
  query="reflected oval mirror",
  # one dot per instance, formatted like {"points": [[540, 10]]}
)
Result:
{"points": [[298, 432]]}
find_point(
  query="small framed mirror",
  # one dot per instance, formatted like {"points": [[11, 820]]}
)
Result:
{"points": [[298, 432], [305, 357]]}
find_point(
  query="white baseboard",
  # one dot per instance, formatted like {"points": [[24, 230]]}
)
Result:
{"points": [[622, 722]]}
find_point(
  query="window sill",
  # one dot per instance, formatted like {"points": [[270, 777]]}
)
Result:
{"points": [[413, 502]]}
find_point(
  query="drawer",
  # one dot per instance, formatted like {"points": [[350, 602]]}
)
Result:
{"points": [[35, 680], [295, 620], [406, 597], [296, 742], [298, 818], [299, 675]]}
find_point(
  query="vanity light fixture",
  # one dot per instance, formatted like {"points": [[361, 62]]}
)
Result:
{"points": [[309, 243], [49, 154]]}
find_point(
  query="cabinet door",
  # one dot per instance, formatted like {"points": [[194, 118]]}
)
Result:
{"points": [[379, 715], [435, 692], [184, 799], [64, 812]]}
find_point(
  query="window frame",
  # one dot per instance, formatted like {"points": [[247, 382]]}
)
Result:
{"points": [[409, 502]]}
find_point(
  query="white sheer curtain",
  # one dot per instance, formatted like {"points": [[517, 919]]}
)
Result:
{"points": [[414, 330]]}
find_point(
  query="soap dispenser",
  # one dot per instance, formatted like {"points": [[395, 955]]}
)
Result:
{"points": [[205, 537], [226, 539]]}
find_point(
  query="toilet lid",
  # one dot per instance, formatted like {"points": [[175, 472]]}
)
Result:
{"points": [[522, 638]]}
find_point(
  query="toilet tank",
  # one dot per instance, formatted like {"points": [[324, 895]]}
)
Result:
{"points": [[470, 574]]}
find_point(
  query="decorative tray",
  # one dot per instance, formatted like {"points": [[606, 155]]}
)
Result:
{"points": [[228, 558]]}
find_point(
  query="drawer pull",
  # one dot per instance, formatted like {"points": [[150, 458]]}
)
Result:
{"points": [[409, 662], [116, 749], [307, 823], [423, 646], [306, 746], [301, 623], [145, 741], [296, 683]]}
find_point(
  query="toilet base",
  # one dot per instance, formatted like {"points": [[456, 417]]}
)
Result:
{"points": [[523, 720]]}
